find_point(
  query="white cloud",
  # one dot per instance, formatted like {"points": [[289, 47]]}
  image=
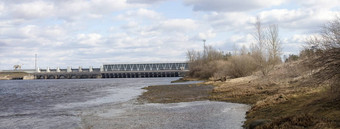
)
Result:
{"points": [[2, 9], [35, 9], [319, 4], [308, 19], [242, 40], [145, 1], [104, 6], [92, 39], [148, 13], [231, 5], [67, 10], [229, 21], [140, 13], [207, 35], [177, 25]]}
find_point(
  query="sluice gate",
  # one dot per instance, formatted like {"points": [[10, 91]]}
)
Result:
{"points": [[144, 74]]}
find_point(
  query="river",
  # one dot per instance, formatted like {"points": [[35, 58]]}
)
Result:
{"points": [[105, 103]]}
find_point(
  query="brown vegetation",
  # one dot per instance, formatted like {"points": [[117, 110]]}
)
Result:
{"points": [[281, 98], [303, 92], [323, 57], [263, 56]]}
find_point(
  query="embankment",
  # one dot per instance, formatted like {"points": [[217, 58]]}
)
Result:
{"points": [[13, 75]]}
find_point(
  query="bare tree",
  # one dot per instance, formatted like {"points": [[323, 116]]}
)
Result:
{"points": [[267, 49], [243, 50], [331, 34], [273, 44], [259, 35], [257, 48]]}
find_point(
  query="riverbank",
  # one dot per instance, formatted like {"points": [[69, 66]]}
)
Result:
{"points": [[283, 99], [293, 104]]}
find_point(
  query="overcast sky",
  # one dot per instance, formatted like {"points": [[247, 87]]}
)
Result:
{"points": [[92, 32]]}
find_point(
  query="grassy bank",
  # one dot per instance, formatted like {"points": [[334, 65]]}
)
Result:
{"points": [[286, 98]]}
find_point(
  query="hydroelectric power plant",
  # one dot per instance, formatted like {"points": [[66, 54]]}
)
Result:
{"points": [[128, 70]]}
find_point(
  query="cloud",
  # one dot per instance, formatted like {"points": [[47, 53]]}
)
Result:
{"points": [[207, 35], [35, 9], [319, 4], [140, 13], [242, 40], [92, 39], [229, 21], [231, 5], [62, 9], [145, 1], [297, 19], [177, 25], [2, 9], [105, 6]]}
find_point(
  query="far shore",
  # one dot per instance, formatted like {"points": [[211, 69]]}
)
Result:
{"points": [[13, 75]]}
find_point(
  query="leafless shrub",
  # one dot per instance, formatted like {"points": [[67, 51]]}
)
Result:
{"points": [[203, 64], [324, 55], [236, 66], [214, 64], [240, 66]]}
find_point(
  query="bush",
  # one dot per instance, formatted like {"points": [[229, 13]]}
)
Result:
{"points": [[216, 66], [240, 66], [323, 56], [203, 64], [292, 57]]}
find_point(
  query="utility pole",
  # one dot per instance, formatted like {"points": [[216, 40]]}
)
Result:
{"points": [[35, 61], [204, 51]]}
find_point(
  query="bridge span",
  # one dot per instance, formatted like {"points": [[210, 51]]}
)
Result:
{"points": [[129, 70]]}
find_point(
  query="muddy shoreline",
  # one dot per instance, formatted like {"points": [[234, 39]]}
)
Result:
{"points": [[176, 93]]}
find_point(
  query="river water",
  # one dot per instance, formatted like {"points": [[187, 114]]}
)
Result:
{"points": [[105, 103]]}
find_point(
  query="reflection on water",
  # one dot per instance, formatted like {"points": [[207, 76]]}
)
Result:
{"points": [[72, 103]]}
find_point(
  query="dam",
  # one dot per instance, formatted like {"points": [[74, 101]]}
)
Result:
{"points": [[122, 70]]}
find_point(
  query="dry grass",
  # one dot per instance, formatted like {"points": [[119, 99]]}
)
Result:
{"points": [[282, 96], [299, 121]]}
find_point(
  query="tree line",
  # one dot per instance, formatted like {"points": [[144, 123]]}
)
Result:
{"points": [[263, 55]]}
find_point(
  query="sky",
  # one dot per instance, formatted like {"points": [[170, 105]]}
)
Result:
{"points": [[92, 32]]}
